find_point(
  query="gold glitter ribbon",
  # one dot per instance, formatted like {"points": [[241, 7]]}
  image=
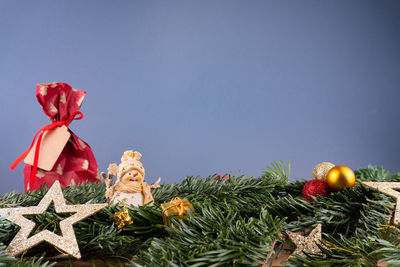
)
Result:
{"points": [[333, 246], [385, 226], [122, 218], [44, 228], [55, 228]]}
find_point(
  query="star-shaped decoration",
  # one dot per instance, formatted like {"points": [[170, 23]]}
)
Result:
{"points": [[387, 188], [306, 243], [67, 241]]}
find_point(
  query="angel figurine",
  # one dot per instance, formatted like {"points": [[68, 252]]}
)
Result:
{"points": [[129, 187]]}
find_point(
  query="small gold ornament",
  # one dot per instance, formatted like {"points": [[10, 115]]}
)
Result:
{"points": [[321, 170], [122, 218], [340, 177], [65, 242], [306, 243], [177, 208]]}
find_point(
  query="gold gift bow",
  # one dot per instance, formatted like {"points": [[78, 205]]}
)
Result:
{"points": [[178, 204]]}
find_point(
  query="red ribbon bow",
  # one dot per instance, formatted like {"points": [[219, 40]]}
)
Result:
{"points": [[51, 126]]}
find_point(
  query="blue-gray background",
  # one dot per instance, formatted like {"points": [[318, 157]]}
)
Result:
{"points": [[203, 87]]}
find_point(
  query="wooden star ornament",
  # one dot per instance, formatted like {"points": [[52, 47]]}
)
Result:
{"points": [[306, 243], [67, 241], [388, 188]]}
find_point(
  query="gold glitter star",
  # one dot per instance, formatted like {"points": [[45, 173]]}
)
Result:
{"points": [[387, 188], [306, 243], [67, 241]]}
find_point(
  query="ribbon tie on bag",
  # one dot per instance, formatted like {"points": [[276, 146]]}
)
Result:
{"points": [[51, 126]]}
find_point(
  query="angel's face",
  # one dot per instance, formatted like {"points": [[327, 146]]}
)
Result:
{"points": [[132, 176]]}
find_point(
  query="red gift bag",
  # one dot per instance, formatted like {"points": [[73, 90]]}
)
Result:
{"points": [[76, 163]]}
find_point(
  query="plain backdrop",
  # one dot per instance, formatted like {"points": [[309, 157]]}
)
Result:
{"points": [[205, 87]]}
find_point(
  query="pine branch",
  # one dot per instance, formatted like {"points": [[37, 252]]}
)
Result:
{"points": [[279, 171], [5, 260], [235, 222]]}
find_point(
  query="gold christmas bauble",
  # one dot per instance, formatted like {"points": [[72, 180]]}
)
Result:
{"points": [[321, 170], [340, 177]]}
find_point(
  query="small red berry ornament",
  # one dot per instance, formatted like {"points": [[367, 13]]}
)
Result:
{"points": [[221, 176], [314, 188]]}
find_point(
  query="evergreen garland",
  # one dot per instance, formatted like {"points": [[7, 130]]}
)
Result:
{"points": [[235, 223]]}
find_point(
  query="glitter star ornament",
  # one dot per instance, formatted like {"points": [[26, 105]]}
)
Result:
{"points": [[388, 188], [306, 243], [67, 241]]}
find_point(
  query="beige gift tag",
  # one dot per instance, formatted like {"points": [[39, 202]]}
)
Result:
{"points": [[53, 143]]}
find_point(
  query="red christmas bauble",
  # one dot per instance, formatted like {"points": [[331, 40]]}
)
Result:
{"points": [[315, 188]]}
